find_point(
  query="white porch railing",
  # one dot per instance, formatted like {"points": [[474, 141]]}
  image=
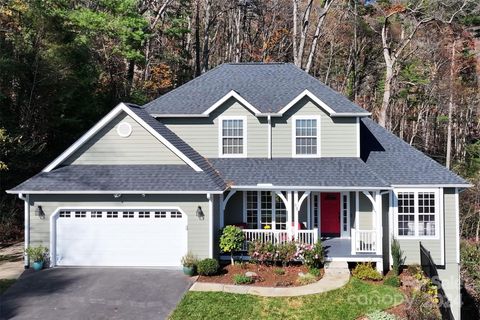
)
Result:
{"points": [[307, 236], [365, 241], [279, 236]]}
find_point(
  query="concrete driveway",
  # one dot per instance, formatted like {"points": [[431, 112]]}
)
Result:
{"points": [[94, 293]]}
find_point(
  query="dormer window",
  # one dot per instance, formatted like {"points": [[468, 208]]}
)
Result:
{"points": [[233, 132], [306, 139]]}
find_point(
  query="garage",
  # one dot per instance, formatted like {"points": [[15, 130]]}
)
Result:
{"points": [[113, 237]]}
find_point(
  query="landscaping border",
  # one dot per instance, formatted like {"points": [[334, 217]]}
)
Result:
{"points": [[334, 278]]}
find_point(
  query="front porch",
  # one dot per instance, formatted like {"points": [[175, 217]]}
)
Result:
{"points": [[348, 222]]}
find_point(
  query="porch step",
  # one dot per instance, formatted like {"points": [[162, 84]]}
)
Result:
{"points": [[336, 265]]}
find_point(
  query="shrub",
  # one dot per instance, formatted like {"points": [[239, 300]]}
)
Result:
{"points": [[279, 271], [262, 252], [393, 281], [241, 279], [189, 260], [37, 254], [207, 267], [365, 271], [312, 255], [398, 256], [306, 279], [231, 240], [285, 252], [314, 272], [381, 315], [422, 307]]}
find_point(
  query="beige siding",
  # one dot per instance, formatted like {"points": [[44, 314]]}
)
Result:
{"points": [[198, 230], [203, 133], [338, 136], [365, 212], [107, 147]]}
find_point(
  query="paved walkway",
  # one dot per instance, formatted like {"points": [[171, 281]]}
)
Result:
{"points": [[11, 261], [336, 276]]}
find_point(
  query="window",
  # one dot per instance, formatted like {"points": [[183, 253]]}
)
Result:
{"points": [[112, 214], [64, 214], [175, 214], [417, 213], [252, 210], [160, 214], [144, 214], [80, 214], [232, 137], [306, 136], [128, 214], [264, 208], [96, 214]]}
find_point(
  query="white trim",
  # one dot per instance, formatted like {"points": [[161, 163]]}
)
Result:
{"points": [[232, 94], [294, 136], [457, 222], [54, 215], [26, 200], [220, 137], [128, 126], [355, 259], [210, 225], [437, 214], [442, 225], [306, 188], [103, 122], [269, 151], [331, 112], [140, 192], [178, 115], [358, 137], [406, 186]]}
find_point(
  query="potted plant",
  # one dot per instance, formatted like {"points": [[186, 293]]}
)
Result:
{"points": [[37, 255], [189, 262]]}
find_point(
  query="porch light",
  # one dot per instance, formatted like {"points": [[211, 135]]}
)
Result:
{"points": [[39, 212], [199, 213]]}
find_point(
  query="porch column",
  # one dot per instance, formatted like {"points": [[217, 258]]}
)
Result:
{"points": [[295, 214], [379, 226], [27, 227], [287, 201]]}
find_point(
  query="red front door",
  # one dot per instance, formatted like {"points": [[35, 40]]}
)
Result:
{"points": [[330, 214]]}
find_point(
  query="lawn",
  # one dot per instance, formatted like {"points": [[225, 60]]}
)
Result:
{"points": [[357, 298], [5, 283]]}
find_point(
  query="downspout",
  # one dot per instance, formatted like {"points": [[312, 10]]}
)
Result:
{"points": [[269, 120], [26, 200]]}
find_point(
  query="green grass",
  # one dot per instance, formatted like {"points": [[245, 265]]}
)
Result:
{"points": [[357, 298], [5, 283]]}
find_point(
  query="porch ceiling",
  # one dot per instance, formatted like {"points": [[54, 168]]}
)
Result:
{"points": [[298, 172]]}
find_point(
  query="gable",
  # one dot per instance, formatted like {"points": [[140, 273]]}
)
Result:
{"points": [[202, 133], [107, 147], [339, 136]]}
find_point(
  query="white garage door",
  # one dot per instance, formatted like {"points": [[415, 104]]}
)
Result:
{"points": [[120, 238]]}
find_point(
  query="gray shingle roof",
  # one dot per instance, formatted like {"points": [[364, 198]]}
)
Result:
{"points": [[181, 145], [318, 172], [267, 86], [120, 178], [397, 162]]}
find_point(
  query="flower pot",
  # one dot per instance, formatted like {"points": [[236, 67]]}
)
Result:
{"points": [[189, 271], [38, 265]]}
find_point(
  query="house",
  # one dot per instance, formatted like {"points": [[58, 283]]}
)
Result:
{"points": [[263, 146]]}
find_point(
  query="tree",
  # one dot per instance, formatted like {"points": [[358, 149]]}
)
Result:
{"points": [[231, 240]]}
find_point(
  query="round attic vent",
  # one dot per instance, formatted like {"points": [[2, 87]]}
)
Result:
{"points": [[124, 129]]}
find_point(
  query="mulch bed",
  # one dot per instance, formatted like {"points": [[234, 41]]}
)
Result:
{"points": [[266, 275]]}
